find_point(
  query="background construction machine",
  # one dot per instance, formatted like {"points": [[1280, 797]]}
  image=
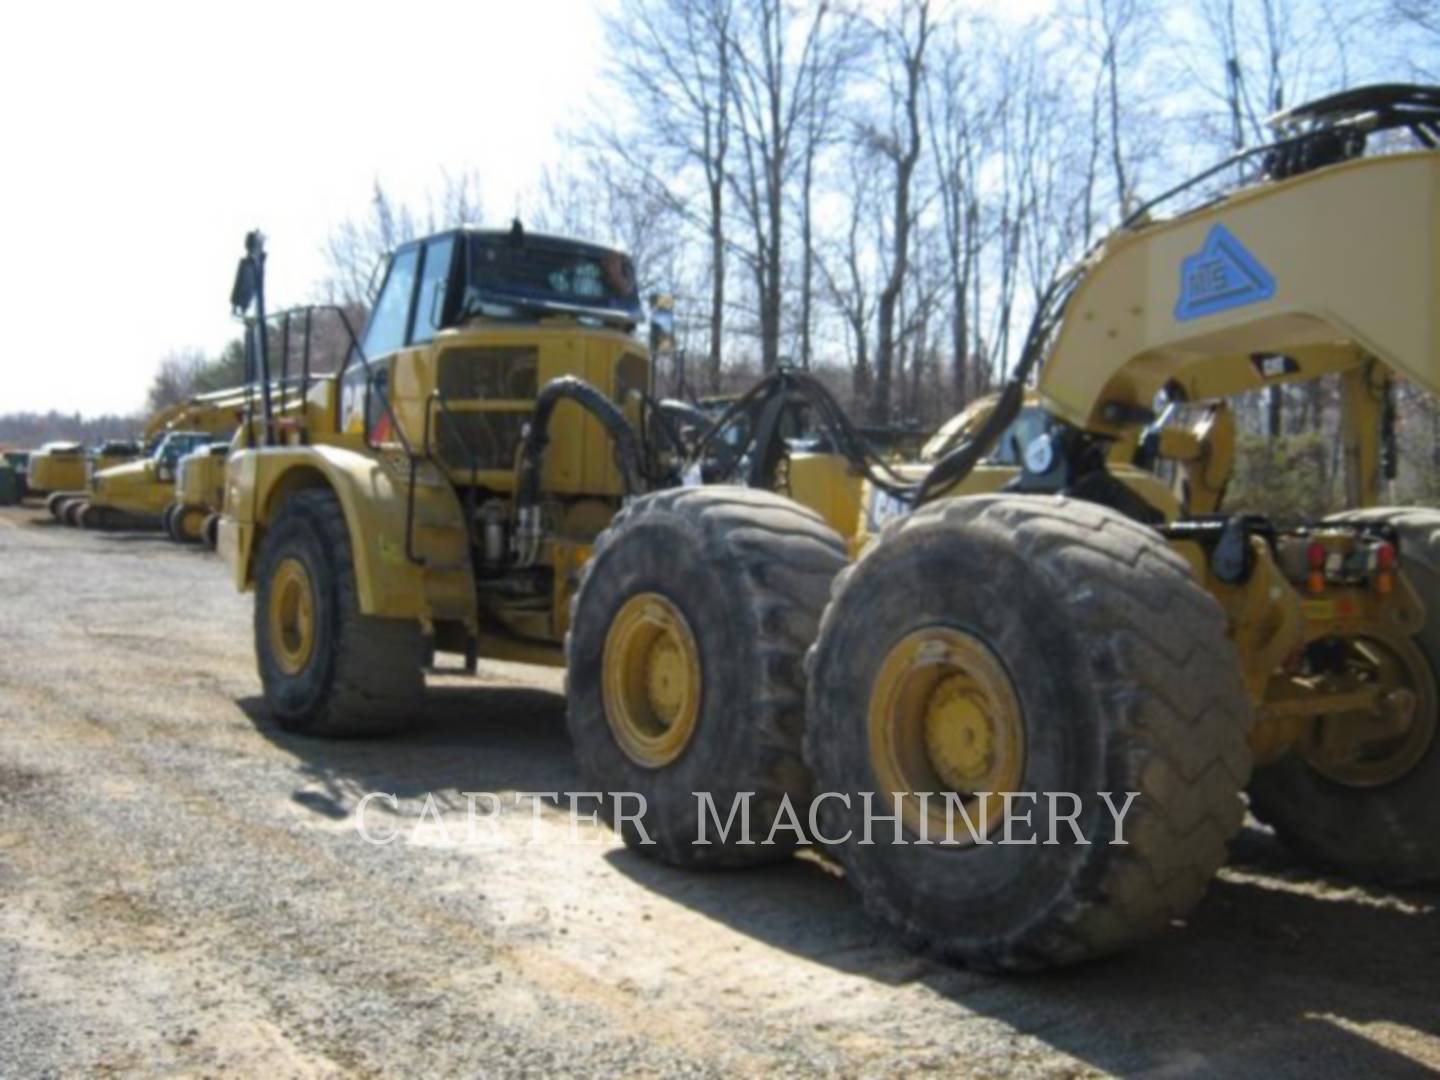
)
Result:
{"points": [[488, 474], [14, 466], [438, 491], [138, 492], [1076, 633], [60, 470], [199, 496]]}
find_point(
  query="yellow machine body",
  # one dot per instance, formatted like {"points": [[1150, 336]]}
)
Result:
{"points": [[57, 467], [411, 554], [200, 478], [857, 509], [1346, 285], [144, 487], [1337, 292]]}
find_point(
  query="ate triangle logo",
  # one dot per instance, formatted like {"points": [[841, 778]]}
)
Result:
{"points": [[1220, 276]]}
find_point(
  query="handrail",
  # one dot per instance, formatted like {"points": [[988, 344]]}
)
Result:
{"points": [[470, 455], [355, 351]]}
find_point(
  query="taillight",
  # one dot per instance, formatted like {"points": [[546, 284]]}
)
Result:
{"points": [[1384, 567], [1315, 556]]}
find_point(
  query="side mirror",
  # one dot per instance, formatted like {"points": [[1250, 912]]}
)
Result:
{"points": [[247, 274], [242, 293]]}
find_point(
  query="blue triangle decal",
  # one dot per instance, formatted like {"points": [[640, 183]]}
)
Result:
{"points": [[1220, 276]]}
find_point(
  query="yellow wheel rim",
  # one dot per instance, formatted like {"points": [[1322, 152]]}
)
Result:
{"points": [[944, 719], [651, 680], [1371, 749], [292, 616]]}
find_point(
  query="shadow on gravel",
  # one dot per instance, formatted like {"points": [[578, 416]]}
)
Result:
{"points": [[1278, 973], [136, 536], [486, 738]]}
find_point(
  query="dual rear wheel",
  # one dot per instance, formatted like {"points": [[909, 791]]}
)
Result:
{"points": [[1361, 794], [981, 646]]}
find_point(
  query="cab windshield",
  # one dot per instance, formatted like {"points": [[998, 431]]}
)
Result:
{"points": [[177, 444], [533, 272]]}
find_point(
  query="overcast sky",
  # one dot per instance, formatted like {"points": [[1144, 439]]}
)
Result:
{"points": [[140, 141]]}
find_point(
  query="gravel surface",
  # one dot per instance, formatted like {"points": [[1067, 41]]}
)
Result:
{"points": [[183, 889]]}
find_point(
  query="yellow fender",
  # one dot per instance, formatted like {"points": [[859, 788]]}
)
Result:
{"points": [[372, 490]]}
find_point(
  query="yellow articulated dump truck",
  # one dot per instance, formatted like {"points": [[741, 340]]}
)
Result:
{"points": [[137, 494], [194, 515], [60, 470], [1020, 689]]}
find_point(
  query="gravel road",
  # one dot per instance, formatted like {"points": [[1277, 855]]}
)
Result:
{"points": [[183, 889]]}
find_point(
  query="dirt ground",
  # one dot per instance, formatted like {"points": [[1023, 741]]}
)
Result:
{"points": [[183, 889]]}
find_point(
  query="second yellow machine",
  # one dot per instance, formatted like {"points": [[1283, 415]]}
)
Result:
{"points": [[831, 636]]}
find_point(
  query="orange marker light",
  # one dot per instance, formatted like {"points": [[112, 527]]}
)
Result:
{"points": [[1385, 556], [1315, 556]]}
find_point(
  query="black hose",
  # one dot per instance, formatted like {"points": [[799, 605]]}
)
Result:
{"points": [[537, 437]]}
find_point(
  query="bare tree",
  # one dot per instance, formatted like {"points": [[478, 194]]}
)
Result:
{"points": [[899, 142], [1118, 34], [1418, 25], [355, 247], [674, 61], [957, 120], [776, 53], [843, 267]]}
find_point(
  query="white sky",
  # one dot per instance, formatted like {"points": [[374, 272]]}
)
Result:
{"points": [[140, 141]]}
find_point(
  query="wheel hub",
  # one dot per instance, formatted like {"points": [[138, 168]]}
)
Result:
{"points": [[292, 616], [651, 680], [959, 734], [1379, 747], [944, 719]]}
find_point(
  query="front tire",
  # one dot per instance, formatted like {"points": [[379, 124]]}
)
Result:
{"points": [[1384, 832], [1033, 645], [685, 657], [328, 670]]}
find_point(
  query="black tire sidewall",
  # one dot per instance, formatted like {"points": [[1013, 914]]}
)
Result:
{"points": [[672, 555], [298, 534], [1383, 833], [982, 585]]}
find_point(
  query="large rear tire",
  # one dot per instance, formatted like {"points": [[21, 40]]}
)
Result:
{"points": [[1033, 645], [685, 657], [1386, 831], [327, 669]]}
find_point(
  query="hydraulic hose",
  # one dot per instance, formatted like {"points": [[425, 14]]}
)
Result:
{"points": [[529, 530], [537, 437]]}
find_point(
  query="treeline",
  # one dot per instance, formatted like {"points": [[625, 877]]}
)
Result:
{"points": [[880, 192], [28, 430], [885, 189]]}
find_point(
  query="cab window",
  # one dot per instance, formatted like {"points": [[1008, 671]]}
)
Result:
{"points": [[388, 322], [1010, 447], [434, 280]]}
